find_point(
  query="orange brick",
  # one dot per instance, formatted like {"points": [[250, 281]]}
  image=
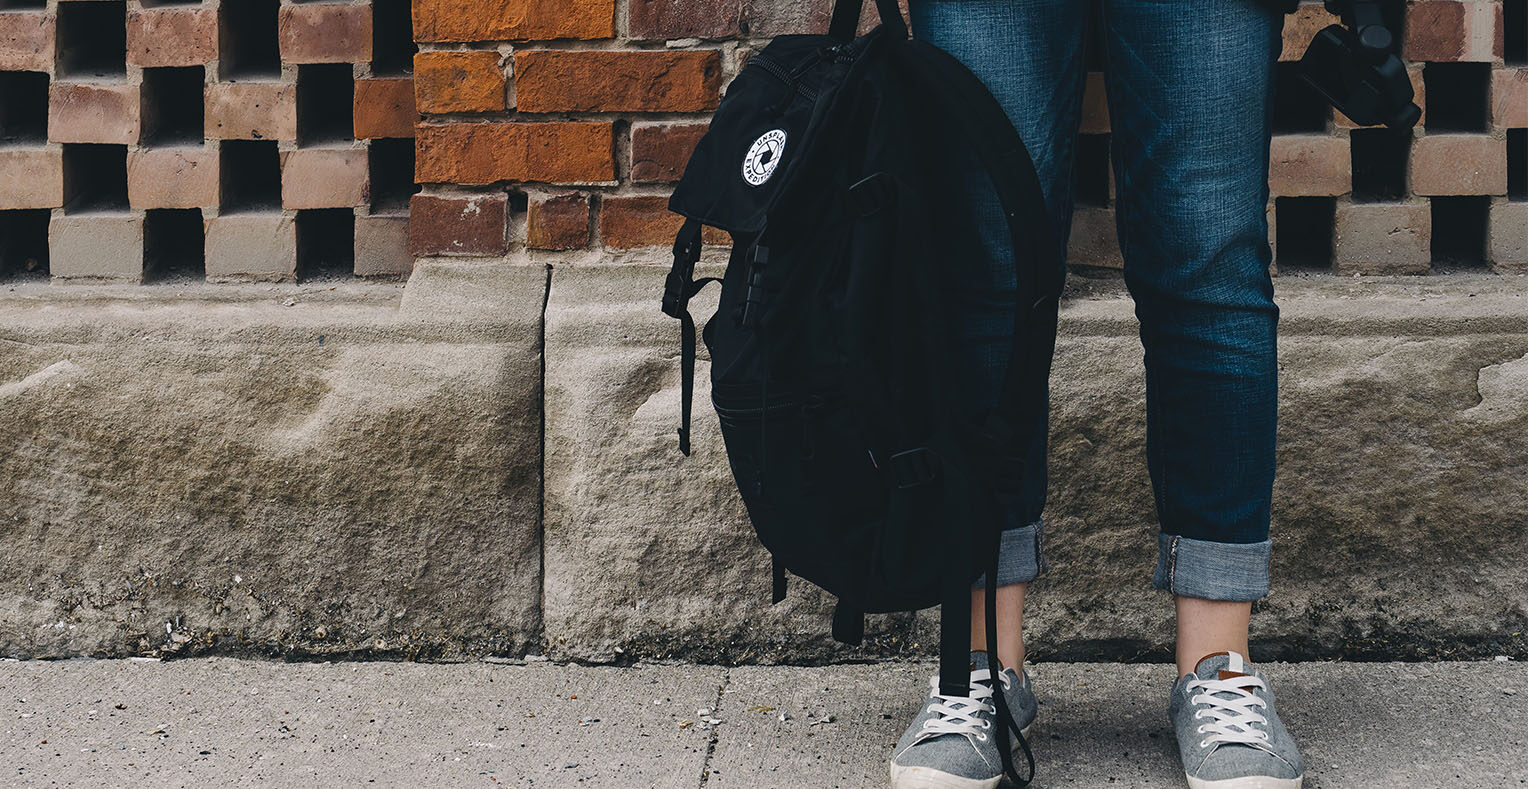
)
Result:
{"points": [[1509, 98], [560, 222], [459, 82], [585, 80], [1459, 164], [512, 20], [485, 153], [660, 151], [1302, 165], [172, 36], [384, 108], [26, 41], [644, 221], [1302, 26], [313, 33]]}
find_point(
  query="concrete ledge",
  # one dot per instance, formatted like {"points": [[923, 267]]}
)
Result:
{"points": [[276, 470], [1400, 516]]}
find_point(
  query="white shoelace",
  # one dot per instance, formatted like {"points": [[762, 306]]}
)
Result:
{"points": [[1232, 709], [960, 714]]}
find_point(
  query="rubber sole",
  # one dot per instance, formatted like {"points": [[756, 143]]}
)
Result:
{"points": [[930, 778], [1250, 782]]}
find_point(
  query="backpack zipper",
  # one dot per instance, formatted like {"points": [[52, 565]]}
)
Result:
{"points": [[778, 72]]}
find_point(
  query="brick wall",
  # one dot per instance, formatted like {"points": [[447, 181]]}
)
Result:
{"points": [[562, 126], [226, 139]]}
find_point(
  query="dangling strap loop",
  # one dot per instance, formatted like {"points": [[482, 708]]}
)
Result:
{"points": [[680, 287]]}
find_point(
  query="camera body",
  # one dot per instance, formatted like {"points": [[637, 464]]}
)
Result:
{"points": [[1355, 67]]}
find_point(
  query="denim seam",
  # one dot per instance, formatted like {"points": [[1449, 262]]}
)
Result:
{"points": [[1172, 564]]}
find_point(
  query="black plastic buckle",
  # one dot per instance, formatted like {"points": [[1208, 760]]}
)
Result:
{"points": [[913, 467], [871, 194]]}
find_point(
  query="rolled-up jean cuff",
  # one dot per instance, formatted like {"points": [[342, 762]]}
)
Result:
{"points": [[1021, 558], [1236, 572]]}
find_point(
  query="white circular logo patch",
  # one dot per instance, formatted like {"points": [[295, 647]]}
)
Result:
{"points": [[764, 157]]}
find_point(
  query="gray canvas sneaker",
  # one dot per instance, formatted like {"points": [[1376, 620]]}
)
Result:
{"points": [[1229, 735], [952, 744]]}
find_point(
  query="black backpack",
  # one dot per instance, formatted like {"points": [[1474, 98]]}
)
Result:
{"points": [[841, 167]]}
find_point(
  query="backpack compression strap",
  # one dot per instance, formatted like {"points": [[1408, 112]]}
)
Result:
{"points": [[680, 287]]}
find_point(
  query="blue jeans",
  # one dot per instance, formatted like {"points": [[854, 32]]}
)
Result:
{"points": [[1190, 94]]}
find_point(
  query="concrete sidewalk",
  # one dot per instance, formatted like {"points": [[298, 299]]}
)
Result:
{"points": [[223, 722]]}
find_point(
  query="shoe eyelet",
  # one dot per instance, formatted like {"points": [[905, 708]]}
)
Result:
{"points": [[981, 737], [1204, 743]]}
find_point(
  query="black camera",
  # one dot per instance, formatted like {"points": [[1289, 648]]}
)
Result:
{"points": [[1355, 66]]}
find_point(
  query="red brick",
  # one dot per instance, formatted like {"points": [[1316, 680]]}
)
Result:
{"points": [[172, 178], [26, 41], [459, 82], [1302, 26], [251, 111], [1509, 98], [1458, 164], [659, 151], [586, 80], [467, 225], [172, 36], [661, 19], [384, 108], [1309, 165], [768, 18], [643, 221], [99, 113], [1095, 105], [312, 33], [324, 178], [31, 178], [485, 153], [382, 246], [512, 20], [1450, 30], [560, 222]]}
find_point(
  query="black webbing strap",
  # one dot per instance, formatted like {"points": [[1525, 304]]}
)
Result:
{"points": [[848, 624], [955, 634], [846, 16], [680, 287], [1006, 724]]}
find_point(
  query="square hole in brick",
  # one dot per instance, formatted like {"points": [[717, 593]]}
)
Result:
{"points": [[1515, 35], [8, 5], [23, 107], [325, 244], [1304, 234], [1091, 173], [247, 38], [1379, 163], [92, 39], [392, 37], [1459, 231], [24, 244], [392, 175], [1458, 96], [1517, 165], [95, 178], [1297, 107], [173, 245], [250, 175], [325, 103], [172, 106]]}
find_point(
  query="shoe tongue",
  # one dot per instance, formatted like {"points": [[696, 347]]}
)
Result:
{"points": [[1222, 665]]}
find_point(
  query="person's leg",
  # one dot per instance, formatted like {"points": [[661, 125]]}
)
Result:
{"points": [[1029, 55], [1190, 94]]}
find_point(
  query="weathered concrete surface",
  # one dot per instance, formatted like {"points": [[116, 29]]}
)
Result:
{"points": [[1401, 507], [328, 469], [221, 722]]}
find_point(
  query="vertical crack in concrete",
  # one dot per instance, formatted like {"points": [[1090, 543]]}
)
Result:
{"points": [[716, 710], [546, 298]]}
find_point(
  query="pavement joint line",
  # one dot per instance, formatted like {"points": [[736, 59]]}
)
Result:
{"points": [[721, 689]]}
